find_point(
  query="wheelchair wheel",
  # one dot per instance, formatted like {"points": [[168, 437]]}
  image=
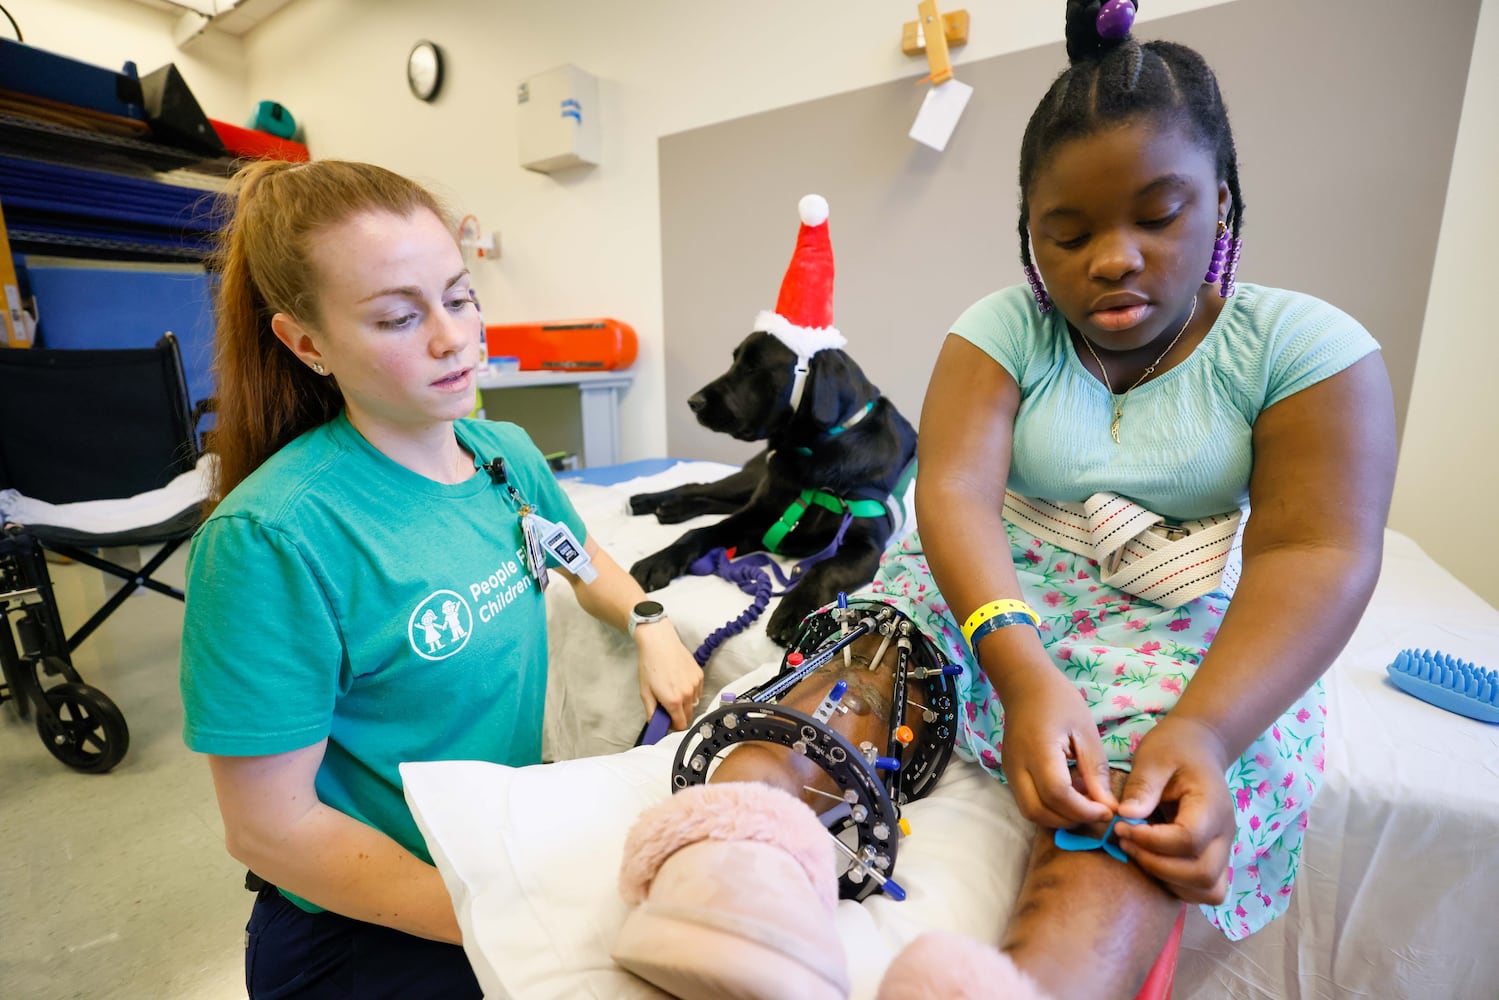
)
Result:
{"points": [[86, 731]]}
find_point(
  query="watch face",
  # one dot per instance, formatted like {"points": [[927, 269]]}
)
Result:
{"points": [[649, 609], [424, 70]]}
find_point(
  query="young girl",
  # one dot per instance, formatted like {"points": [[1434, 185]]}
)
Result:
{"points": [[1134, 365], [1089, 446], [364, 592]]}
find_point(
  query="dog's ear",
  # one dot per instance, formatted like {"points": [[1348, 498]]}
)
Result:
{"points": [[831, 386]]}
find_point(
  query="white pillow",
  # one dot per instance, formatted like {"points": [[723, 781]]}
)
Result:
{"points": [[531, 855]]}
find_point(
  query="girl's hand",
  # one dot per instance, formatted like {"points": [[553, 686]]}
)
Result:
{"points": [[1179, 771], [669, 676], [1048, 724]]}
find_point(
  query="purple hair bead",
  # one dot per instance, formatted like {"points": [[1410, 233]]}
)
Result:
{"points": [[1043, 301], [1115, 18], [1226, 289], [1220, 254]]}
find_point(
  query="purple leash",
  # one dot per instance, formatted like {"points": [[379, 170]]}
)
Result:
{"points": [[748, 573]]}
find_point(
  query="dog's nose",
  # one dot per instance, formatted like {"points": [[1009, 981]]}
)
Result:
{"points": [[696, 402]]}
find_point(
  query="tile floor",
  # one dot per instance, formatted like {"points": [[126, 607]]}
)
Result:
{"points": [[117, 885]]}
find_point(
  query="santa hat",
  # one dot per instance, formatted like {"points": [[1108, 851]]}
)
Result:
{"points": [[803, 317]]}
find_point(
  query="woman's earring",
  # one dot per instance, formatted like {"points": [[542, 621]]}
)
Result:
{"points": [[1043, 301], [317, 367]]}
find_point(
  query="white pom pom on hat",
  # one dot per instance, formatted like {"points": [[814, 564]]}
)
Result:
{"points": [[813, 209]]}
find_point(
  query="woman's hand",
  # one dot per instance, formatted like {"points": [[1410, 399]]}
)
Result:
{"points": [[1179, 771], [669, 676], [1047, 724]]}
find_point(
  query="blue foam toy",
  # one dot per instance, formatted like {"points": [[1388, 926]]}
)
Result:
{"points": [[1448, 682], [1069, 841]]}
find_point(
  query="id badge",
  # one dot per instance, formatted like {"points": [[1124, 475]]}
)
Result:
{"points": [[536, 560], [559, 540]]}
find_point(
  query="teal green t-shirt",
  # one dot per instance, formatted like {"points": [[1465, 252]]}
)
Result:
{"points": [[335, 593], [1186, 446]]}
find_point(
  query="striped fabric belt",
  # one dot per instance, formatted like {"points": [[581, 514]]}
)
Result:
{"points": [[1140, 552]]}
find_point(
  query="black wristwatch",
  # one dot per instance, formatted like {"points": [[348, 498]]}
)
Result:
{"points": [[644, 613]]}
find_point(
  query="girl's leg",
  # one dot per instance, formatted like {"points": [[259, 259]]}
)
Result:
{"points": [[1086, 924]]}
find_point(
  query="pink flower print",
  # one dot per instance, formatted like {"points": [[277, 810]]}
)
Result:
{"points": [[1303, 715], [1254, 822], [1123, 701], [1032, 557], [1054, 598], [1319, 761], [1241, 799], [1302, 820], [1171, 685], [1134, 624], [1262, 789], [1064, 653], [1239, 911], [1118, 670], [988, 758], [1275, 733], [1134, 741], [1288, 804], [1082, 575], [1210, 635], [1287, 781], [1078, 616], [1284, 890], [1253, 871], [1087, 629], [1150, 648], [1264, 898], [1213, 609], [1105, 599], [1092, 562], [1262, 759], [1324, 710], [1180, 624], [972, 711], [1092, 589], [1082, 693], [1099, 650]]}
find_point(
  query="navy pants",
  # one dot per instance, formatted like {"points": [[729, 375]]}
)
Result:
{"points": [[292, 953]]}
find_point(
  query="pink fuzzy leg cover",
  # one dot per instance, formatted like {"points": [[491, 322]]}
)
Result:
{"points": [[732, 810], [947, 966]]}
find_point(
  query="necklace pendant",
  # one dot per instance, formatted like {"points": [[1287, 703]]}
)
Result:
{"points": [[1114, 427]]}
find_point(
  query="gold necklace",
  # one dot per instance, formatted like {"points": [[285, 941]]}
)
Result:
{"points": [[1119, 400]]}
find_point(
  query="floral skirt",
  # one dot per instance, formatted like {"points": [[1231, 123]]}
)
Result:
{"points": [[1130, 661]]}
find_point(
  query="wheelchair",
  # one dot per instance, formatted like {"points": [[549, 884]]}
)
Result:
{"points": [[98, 425]]}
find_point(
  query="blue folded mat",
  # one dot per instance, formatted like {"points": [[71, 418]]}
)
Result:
{"points": [[1448, 682]]}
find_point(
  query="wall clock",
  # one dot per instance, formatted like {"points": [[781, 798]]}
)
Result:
{"points": [[424, 70]]}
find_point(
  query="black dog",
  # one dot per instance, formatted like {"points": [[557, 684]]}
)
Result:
{"points": [[844, 439]]}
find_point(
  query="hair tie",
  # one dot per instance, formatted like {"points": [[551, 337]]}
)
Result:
{"points": [[1115, 18]]}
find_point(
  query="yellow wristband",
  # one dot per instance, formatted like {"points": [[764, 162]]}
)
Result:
{"points": [[993, 608]]}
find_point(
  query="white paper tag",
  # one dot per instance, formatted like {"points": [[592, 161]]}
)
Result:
{"points": [[531, 528], [559, 540], [939, 113]]}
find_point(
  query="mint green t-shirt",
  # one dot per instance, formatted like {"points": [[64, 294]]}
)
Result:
{"points": [[1186, 446], [335, 593]]}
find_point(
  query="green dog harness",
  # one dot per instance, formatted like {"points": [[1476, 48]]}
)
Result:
{"points": [[824, 499]]}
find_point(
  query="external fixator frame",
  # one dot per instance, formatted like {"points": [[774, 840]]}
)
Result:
{"points": [[866, 824]]}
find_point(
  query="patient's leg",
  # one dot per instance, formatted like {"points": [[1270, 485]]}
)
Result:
{"points": [[1086, 924]]}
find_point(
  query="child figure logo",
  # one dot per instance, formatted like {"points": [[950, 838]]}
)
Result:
{"points": [[440, 625]]}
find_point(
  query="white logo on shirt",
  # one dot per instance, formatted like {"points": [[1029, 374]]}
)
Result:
{"points": [[440, 625]]}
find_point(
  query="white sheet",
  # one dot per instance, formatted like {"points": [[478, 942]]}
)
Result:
{"points": [[1395, 898]]}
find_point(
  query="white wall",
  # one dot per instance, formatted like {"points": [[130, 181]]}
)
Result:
{"points": [[588, 243], [1448, 481], [109, 33]]}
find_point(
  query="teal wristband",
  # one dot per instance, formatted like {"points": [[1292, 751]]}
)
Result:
{"points": [[1000, 621]]}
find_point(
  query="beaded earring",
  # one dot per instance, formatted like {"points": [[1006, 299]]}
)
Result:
{"points": [[1043, 301], [1225, 261]]}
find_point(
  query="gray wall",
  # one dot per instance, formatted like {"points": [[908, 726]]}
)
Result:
{"points": [[1345, 113]]}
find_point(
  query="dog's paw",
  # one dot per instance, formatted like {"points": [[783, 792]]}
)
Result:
{"points": [[675, 510], [656, 571], [787, 620], [644, 503]]}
